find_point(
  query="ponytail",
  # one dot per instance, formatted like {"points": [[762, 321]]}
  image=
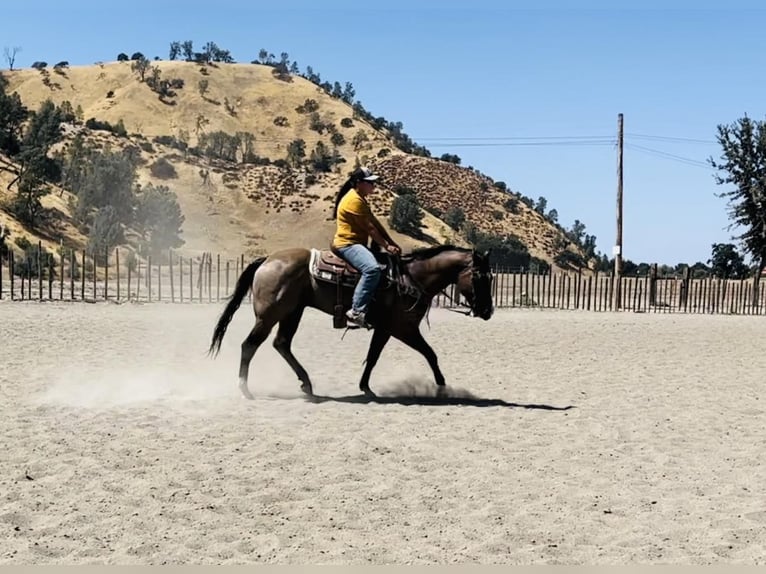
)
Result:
{"points": [[345, 188]]}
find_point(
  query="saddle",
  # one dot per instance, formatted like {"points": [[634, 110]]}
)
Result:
{"points": [[329, 267]]}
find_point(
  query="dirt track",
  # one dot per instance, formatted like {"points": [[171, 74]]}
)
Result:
{"points": [[124, 443]]}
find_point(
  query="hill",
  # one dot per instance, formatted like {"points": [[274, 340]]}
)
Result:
{"points": [[254, 157]]}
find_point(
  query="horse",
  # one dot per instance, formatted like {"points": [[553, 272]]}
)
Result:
{"points": [[286, 282]]}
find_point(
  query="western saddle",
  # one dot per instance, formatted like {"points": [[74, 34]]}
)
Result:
{"points": [[329, 267]]}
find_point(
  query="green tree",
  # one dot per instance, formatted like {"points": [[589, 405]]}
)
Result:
{"points": [[36, 169], [406, 215], [742, 166], [13, 114], [105, 178], [175, 50], [140, 66], [455, 218], [105, 232], [727, 262], [296, 151], [159, 218]]}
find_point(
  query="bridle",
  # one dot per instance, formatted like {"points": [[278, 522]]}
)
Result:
{"points": [[476, 275]]}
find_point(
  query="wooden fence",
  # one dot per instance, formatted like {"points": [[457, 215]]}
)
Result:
{"points": [[76, 276]]}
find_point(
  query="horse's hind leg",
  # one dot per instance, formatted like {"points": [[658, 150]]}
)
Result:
{"points": [[284, 338], [250, 345]]}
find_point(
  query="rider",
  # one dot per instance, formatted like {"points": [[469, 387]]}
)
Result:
{"points": [[355, 225]]}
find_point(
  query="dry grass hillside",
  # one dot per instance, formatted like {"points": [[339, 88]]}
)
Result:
{"points": [[441, 186], [234, 207]]}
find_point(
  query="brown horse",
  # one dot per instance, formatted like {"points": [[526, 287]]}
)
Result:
{"points": [[287, 281]]}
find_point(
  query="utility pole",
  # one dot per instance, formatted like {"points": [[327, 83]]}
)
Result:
{"points": [[618, 244]]}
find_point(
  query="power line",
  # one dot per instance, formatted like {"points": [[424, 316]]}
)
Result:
{"points": [[669, 156], [670, 138]]}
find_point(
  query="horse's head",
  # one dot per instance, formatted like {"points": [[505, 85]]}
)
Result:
{"points": [[475, 284]]}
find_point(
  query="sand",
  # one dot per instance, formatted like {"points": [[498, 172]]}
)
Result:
{"points": [[569, 438]]}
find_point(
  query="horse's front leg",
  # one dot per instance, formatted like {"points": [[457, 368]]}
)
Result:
{"points": [[380, 337], [414, 339]]}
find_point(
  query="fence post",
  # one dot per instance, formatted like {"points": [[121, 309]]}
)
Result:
{"points": [[106, 275], [95, 275], [50, 276], [172, 283], [117, 263], [210, 278], [82, 277], [159, 278], [218, 277], [191, 280], [149, 277], [72, 260], [181, 278], [199, 276], [138, 277]]}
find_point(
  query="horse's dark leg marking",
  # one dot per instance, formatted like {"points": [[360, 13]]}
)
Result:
{"points": [[379, 339], [414, 339], [284, 338], [250, 345]]}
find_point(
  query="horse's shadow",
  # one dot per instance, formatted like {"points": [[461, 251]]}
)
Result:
{"points": [[431, 400]]}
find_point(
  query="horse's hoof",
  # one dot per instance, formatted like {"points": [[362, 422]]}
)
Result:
{"points": [[307, 389], [245, 391], [368, 393], [441, 391]]}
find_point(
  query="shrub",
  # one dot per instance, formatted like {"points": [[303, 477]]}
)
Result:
{"points": [[163, 169]]}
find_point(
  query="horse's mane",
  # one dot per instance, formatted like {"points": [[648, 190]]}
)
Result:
{"points": [[428, 252]]}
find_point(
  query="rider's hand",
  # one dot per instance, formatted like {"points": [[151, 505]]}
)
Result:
{"points": [[393, 249]]}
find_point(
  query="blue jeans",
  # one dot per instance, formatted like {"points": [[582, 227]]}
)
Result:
{"points": [[363, 261]]}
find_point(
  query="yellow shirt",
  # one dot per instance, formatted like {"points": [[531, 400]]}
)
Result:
{"points": [[353, 216]]}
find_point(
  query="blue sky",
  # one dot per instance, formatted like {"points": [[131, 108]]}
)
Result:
{"points": [[488, 80]]}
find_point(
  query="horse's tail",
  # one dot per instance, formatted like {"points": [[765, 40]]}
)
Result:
{"points": [[243, 285]]}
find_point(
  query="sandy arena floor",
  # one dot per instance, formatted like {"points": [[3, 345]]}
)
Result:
{"points": [[124, 443]]}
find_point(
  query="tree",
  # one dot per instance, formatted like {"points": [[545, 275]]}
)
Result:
{"points": [[10, 55], [406, 215], [203, 86], [105, 233], [296, 151], [743, 166], [106, 178], [455, 218], [727, 262], [159, 217], [541, 205], [35, 167], [175, 50], [13, 114], [187, 49], [140, 65]]}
